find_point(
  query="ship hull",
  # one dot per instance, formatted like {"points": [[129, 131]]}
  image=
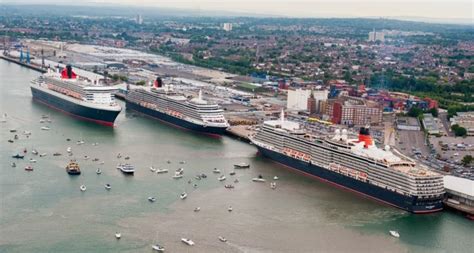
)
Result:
{"points": [[99, 116], [407, 203], [176, 121]]}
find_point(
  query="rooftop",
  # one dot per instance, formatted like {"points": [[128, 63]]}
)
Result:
{"points": [[460, 185]]}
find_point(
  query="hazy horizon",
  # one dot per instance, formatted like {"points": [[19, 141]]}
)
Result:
{"points": [[452, 11]]}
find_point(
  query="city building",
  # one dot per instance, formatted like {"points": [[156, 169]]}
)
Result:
{"points": [[430, 124], [139, 19], [465, 120], [408, 123], [227, 27], [298, 98], [348, 110], [376, 36]]}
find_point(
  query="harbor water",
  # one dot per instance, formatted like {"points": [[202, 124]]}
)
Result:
{"points": [[44, 211]]}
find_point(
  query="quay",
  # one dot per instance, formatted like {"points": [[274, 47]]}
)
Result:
{"points": [[241, 132], [30, 66]]}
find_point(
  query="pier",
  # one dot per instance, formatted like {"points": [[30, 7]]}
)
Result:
{"points": [[241, 132], [24, 64]]}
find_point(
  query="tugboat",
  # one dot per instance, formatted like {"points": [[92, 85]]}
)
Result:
{"points": [[73, 168]]}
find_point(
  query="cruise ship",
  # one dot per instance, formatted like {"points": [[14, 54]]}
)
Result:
{"points": [[161, 102], [72, 95], [357, 165]]}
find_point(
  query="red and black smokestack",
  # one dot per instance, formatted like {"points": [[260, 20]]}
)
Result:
{"points": [[364, 136], [69, 71], [158, 83]]}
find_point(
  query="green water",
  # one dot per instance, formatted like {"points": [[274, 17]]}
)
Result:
{"points": [[44, 211]]}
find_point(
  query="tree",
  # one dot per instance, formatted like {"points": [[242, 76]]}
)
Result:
{"points": [[415, 112], [434, 112], [458, 130], [467, 159], [142, 83]]}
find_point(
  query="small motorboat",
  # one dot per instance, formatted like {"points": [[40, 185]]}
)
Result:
{"points": [[187, 241], [15, 137], [182, 162], [34, 151], [195, 186], [203, 175], [183, 195], [95, 159], [98, 171], [258, 179], [119, 155], [222, 239], [13, 165], [152, 169], [177, 176], [126, 168], [11, 141], [83, 188], [197, 209], [80, 142], [151, 199], [275, 178], [229, 186], [32, 160], [12, 130], [118, 235], [29, 168], [127, 157], [159, 171], [394, 233], [43, 154], [198, 177], [157, 247], [232, 173], [45, 128], [180, 171], [57, 154], [221, 178], [242, 166], [18, 156], [273, 185], [86, 157], [229, 209], [68, 139], [216, 170], [69, 149], [108, 186], [27, 133]]}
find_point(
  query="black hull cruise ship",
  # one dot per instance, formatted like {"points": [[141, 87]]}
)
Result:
{"points": [[354, 165], [66, 93], [164, 104]]}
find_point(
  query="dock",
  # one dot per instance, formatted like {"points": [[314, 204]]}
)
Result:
{"points": [[24, 64], [241, 132]]}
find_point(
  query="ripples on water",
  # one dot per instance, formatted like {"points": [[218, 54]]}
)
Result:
{"points": [[44, 211]]}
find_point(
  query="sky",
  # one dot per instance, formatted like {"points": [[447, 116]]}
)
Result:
{"points": [[434, 9]]}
